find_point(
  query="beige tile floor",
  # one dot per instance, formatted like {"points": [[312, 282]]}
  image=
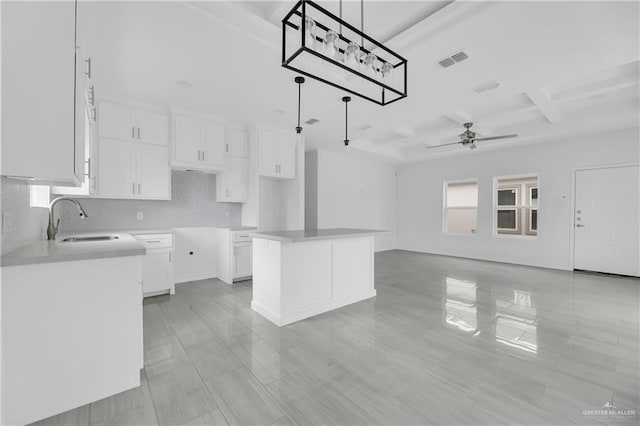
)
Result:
{"points": [[446, 341]]}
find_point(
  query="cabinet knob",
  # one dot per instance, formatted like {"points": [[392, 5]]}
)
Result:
{"points": [[190, 253]]}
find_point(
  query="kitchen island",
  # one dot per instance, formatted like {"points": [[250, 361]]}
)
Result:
{"points": [[302, 273]]}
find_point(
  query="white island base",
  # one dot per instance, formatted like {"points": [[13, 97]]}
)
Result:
{"points": [[299, 274]]}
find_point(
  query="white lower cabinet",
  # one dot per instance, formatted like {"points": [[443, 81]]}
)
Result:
{"points": [[234, 254], [242, 258], [157, 265]]}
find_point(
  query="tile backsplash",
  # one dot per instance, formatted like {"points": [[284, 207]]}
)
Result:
{"points": [[193, 203]]}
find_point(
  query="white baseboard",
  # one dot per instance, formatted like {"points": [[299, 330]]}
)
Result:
{"points": [[312, 310], [194, 277]]}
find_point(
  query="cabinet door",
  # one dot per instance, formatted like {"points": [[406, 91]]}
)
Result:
{"points": [[116, 121], [268, 153], [152, 127], [156, 271], [287, 156], [236, 142], [238, 181], [232, 185], [116, 169], [242, 260], [38, 56], [153, 172], [187, 144], [213, 146]]}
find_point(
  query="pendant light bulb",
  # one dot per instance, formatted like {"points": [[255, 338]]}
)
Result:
{"points": [[299, 80], [310, 33], [330, 39], [386, 71], [351, 55], [370, 65]]}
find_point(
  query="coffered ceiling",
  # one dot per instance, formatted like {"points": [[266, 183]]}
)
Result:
{"points": [[558, 69]]}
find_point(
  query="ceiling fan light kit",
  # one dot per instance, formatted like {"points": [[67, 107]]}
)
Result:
{"points": [[468, 138], [322, 46]]}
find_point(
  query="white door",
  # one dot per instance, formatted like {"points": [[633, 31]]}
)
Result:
{"points": [[606, 220], [287, 157], [156, 272], [116, 121], [188, 142], [152, 127], [153, 172], [116, 169], [213, 145], [242, 265]]}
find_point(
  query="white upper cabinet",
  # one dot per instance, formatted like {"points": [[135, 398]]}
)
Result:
{"points": [[116, 169], [232, 185], [153, 172], [39, 136], [126, 123], [236, 142], [152, 127], [187, 147], [213, 145], [198, 142], [276, 153], [133, 153]]}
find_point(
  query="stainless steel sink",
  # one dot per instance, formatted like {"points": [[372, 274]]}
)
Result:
{"points": [[89, 239]]}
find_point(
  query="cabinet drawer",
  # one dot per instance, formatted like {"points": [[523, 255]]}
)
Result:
{"points": [[152, 241], [241, 236]]}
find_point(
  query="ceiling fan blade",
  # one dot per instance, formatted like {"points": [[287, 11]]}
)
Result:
{"points": [[492, 138], [444, 144]]}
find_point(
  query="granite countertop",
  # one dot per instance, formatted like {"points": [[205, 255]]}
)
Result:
{"points": [[44, 251], [315, 234]]}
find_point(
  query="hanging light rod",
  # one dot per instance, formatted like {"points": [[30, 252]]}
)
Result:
{"points": [[322, 46], [299, 80], [346, 100]]}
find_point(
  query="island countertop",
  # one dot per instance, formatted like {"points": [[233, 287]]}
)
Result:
{"points": [[301, 235], [44, 251]]}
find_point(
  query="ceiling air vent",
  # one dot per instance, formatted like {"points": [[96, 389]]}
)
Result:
{"points": [[365, 127], [459, 57], [312, 121], [486, 87], [453, 59]]}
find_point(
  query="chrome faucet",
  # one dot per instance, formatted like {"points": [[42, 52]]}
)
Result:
{"points": [[52, 229]]}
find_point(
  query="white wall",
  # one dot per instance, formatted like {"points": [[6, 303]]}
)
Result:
{"points": [[28, 223], [355, 192], [419, 208]]}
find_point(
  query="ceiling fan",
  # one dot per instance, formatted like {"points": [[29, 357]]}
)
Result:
{"points": [[468, 138]]}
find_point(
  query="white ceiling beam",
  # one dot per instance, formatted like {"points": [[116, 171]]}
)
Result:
{"points": [[540, 97], [279, 10], [462, 117]]}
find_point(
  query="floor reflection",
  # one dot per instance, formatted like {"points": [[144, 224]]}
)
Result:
{"points": [[512, 320], [516, 322], [461, 307]]}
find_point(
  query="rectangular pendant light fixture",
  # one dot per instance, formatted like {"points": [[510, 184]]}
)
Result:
{"points": [[320, 45]]}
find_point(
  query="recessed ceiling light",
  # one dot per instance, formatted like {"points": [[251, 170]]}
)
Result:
{"points": [[184, 84], [365, 127], [278, 111], [486, 87]]}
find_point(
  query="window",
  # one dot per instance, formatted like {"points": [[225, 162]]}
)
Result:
{"points": [[460, 207], [516, 206]]}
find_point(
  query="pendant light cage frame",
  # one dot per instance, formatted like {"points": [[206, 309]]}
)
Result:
{"points": [[304, 31]]}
